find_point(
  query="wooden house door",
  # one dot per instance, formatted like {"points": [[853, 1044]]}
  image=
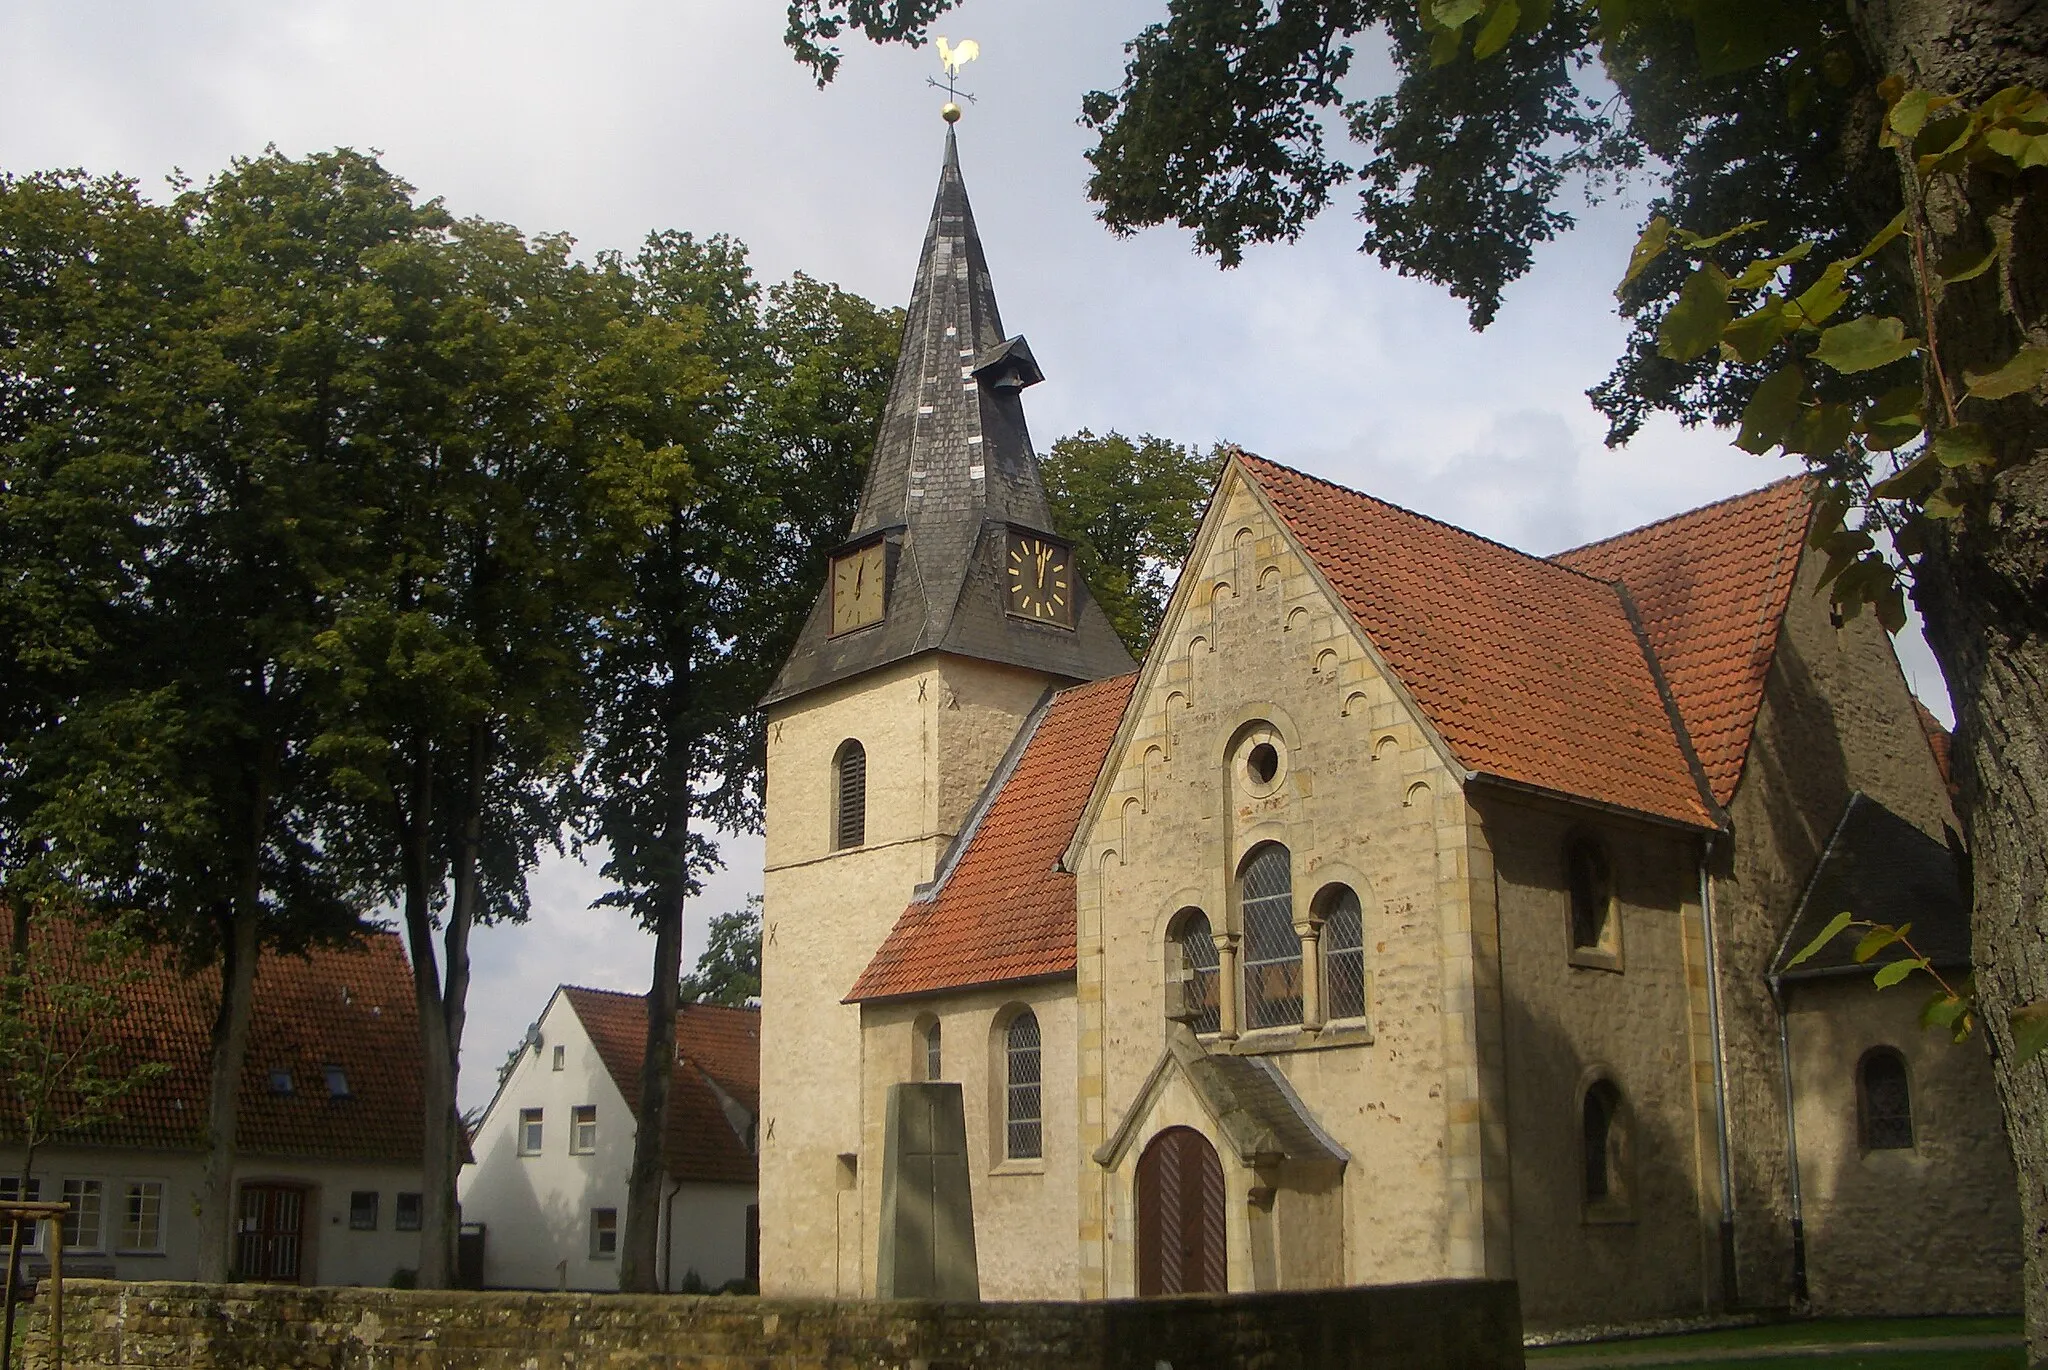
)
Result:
{"points": [[1181, 1245], [270, 1234]]}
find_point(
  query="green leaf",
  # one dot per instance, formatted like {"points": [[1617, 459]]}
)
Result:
{"points": [[1879, 240], [1445, 46], [1864, 344], [1698, 244], [1942, 1010], [1821, 299], [1751, 337], [1966, 444], [1877, 939], [1454, 14], [1890, 607], [1734, 35], [1499, 27], [1893, 420], [1693, 325], [1944, 504], [2029, 1032], [1822, 430], [1656, 237], [1760, 271], [1827, 934], [1911, 111], [2024, 150], [1535, 17], [1967, 264], [2016, 377], [1911, 481], [1891, 972], [1772, 411]]}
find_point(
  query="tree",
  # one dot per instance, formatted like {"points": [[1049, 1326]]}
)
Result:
{"points": [[729, 971], [1825, 122], [167, 584], [1131, 508], [758, 440]]}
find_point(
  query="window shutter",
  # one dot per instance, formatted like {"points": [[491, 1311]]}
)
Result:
{"points": [[851, 828]]}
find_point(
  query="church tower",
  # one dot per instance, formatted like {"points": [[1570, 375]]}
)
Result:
{"points": [[950, 611]]}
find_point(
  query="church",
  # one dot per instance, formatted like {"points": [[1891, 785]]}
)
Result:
{"points": [[1416, 909]]}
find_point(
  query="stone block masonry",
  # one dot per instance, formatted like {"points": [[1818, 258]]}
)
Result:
{"points": [[1466, 1324]]}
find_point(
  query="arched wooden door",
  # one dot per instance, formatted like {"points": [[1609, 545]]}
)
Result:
{"points": [[1180, 1216]]}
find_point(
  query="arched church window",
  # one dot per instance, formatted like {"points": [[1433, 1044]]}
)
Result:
{"points": [[1023, 1098], [1592, 893], [1343, 952], [933, 1063], [849, 795], [1272, 951], [1194, 996], [1604, 1132], [1884, 1101]]}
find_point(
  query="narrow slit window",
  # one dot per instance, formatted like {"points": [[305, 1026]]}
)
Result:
{"points": [[1592, 893], [850, 801], [1024, 1131], [1272, 949], [1343, 953], [1885, 1099], [934, 1062], [1602, 1135]]}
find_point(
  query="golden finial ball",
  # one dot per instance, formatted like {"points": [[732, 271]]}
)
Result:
{"points": [[950, 113]]}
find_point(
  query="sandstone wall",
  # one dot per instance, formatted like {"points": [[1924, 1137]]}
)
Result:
{"points": [[1468, 1325]]}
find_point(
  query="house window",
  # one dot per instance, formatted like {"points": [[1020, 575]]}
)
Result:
{"points": [[281, 1082], [604, 1233], [850, 795], [362, 1210], [1272, 951], [82, 1223], [405, 1213], [142, 1217], [1604, 1135], [1343, 953], [1024, 1132], [561, 1057], [529, 1131], [1194, 997], [1592, 892], [583, 1129], [337, 1082], [13, 1190], [1884, 1101], [933, 1061]]}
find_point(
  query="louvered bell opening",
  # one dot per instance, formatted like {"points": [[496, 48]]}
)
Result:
{"points": [[851, 827]]}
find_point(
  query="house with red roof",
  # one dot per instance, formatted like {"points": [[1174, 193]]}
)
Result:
{"points": [[326, 1184], [546, 1187], [1419, 908]]}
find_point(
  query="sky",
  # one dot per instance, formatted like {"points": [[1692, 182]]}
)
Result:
{"points": [[609, 119]]}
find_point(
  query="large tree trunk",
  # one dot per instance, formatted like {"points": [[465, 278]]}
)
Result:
{"points": [[230, 1045], [437, 1058], [638, 1273], [1983, 585]]}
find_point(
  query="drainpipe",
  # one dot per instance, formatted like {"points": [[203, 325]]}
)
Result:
{"points": [[668, 1235], [1791, 1145], [1728, 1276]]}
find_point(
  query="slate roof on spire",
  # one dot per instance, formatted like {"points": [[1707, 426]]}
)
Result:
{"points": [[953, 467]]}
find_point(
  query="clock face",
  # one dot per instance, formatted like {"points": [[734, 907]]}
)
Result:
{"points": [[857, 585], [1038, 575]]}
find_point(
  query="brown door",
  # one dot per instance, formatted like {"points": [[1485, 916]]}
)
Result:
{"points": [[1180, 1216], [270, 1236]]}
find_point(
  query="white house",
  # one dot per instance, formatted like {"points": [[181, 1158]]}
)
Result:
{"points": [[327, 1180], [552, 1153]]}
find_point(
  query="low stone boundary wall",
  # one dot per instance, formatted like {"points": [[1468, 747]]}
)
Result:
{"points": [[1455, 1325]]}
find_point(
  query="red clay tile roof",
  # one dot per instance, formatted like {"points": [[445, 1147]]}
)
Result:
{"points": [[1939, 741], [717, 1048], [351, 1007], [1006, 911], [1530, 671], [1711, 586]]}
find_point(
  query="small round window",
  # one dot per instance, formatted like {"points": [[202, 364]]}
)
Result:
{"points": [[1262, 763], [1261, 759]]}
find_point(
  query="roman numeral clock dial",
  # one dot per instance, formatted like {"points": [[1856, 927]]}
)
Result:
{"points": [[1038, 578]]}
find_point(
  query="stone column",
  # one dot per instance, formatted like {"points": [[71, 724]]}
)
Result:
{"points": [[1311, 935], [1227, 987]]}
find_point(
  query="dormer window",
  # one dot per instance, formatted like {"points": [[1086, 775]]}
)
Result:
{"points": [[337, 1082], [281, 1082]]}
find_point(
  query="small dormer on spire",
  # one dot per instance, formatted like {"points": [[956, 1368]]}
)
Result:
{"points": [[953, 496]]}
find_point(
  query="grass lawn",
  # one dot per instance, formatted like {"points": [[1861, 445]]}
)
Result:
{"points": [[1712, 1347]]}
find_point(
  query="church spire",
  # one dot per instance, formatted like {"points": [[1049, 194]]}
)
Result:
{"points": [[952, 486]]}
